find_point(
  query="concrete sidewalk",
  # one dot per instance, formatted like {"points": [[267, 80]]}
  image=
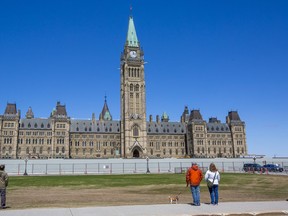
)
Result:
{"points": [[226, 208]]}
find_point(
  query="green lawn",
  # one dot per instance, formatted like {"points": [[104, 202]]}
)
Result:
{"points": [[87, 190], [273, 183]]}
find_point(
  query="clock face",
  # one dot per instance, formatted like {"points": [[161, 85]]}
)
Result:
{"points": [[133, 54]]}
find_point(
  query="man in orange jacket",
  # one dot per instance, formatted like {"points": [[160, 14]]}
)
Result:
{"points": [[194, 177]]}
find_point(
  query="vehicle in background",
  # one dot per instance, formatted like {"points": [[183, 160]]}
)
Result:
{"points": [[273, 168], [252, 167]]}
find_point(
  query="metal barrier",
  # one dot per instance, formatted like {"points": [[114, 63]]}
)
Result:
{"points": [[118, 166]]}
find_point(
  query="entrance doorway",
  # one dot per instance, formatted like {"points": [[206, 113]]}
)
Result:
{"points": [[136, 153]]}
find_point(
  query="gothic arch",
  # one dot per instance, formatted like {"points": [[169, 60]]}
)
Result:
{"points": [[137, 152]]}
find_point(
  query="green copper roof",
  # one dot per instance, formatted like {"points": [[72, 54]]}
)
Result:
{"points": [[132, 40], [105, 114], [165, 116]]}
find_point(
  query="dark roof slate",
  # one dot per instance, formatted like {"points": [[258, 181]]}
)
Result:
{"points": [[218, 128], [86, 126], [166, 128], [35, 123]]}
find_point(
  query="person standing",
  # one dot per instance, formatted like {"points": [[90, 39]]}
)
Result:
{"points": [[213, 176], [194, 177], [3, 185]]}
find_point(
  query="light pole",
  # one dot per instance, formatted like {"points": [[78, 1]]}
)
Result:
{"points": [[147, 159], [26, 160]]}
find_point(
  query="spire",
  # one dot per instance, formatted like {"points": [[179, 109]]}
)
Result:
{"points": [[105, 114], [131, 39]]}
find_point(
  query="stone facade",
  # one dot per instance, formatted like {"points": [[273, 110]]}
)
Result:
{"points": [[59, 136]]}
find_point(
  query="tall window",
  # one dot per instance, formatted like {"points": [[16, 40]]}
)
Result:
{"points": [[137, 87], [135, 131]]}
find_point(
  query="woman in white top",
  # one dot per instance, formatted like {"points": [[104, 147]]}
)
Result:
{"points": [[213, 175]]}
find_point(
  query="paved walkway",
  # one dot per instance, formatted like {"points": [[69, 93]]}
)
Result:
{"points": [[226, 208]]}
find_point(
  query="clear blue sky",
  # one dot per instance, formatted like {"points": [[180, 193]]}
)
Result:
{"points": [[215, 56]]}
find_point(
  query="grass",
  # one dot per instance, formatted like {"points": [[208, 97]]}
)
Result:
{"points": [[273, 183], [95, 181], [99, 190]]}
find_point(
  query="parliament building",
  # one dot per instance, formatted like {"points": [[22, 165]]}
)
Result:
{"points": [[136, 135]]}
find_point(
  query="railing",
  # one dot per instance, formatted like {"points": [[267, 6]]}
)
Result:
{"points": [[83, 167]]}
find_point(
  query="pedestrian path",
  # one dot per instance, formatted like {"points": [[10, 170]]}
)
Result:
{"points": [[227, 208]]}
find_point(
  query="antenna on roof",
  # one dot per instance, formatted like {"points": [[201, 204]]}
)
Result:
{"points": [[131, 8]]}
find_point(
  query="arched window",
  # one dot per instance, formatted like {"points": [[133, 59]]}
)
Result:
{"points": [[57, 150], [137, 87], [131, 87], [135, 131], [63, 150]]}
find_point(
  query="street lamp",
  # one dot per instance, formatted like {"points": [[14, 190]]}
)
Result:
{"points": [[26, 160], [147, 159]]}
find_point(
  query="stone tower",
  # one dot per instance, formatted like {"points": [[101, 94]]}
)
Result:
{"points": [[133, 97]]}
